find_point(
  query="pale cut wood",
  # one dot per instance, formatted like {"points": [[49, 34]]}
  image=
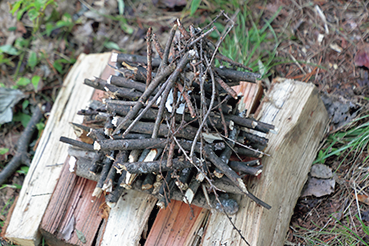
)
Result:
{"points": [[251, 96], [295, 108], [128, 219], [51, 154]]}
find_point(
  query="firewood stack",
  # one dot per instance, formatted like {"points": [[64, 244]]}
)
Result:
{"points": [[168, 126]]}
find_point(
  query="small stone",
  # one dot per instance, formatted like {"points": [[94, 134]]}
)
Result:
{"points": [[318, 187], [321, 171]]}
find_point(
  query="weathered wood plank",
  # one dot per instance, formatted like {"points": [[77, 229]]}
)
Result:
{"points": [[72, 208], [47, 163], [296, 109], [177, 224], [128, 219]]}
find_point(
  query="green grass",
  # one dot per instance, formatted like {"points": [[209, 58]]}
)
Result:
{"points": [[5, 208], [339, 234], [349, 142], [252, 41], [250, 45]]}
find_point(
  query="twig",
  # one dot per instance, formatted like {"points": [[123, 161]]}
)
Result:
{"points": [[225, 128], [157, 45], [127, 83], [230, 220], [226, 87], [201, 36], [154, 83], [187, 99], [149, 56], [207, 113], [164, 61], [245, 146], [21, 157], [183, 31], [172, 127], [232, 175], [144, 111], [171, 80]]}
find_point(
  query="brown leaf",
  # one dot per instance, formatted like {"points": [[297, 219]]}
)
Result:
{"points": [[21, 28], [318, 187], [362, 56], [105, 210], [363, 198], [82, 135]]}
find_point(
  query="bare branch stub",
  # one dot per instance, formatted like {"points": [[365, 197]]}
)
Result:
{"points": [[184, 106]]}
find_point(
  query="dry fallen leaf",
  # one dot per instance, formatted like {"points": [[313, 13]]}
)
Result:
{"points": [[321, 171], [362, 56], [105, 210], [318, 187], [82, 134], [363, 198]]}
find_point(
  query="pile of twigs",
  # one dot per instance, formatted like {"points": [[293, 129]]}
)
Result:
{"points": [[170, 125]]}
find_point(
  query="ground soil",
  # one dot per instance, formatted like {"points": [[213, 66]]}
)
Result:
{"points": [[321, 49]]}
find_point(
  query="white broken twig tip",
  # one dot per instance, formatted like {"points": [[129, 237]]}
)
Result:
{"points": [[258, 172], [72, 164], [108, 187], [321, 14], [192, 53], [108, 131], [97, 192], [274, 131], [114, 121], [111, 204], [114, 57], [97, 146], [109, 79], [242, 186], [231, 124], [160, 205], [188, 197], [200, 177]]}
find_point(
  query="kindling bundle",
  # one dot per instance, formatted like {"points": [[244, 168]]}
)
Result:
{"points": [[169, 125]]}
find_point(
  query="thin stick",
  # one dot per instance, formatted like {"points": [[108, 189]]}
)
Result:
{"points": [[171, 80], [183, 30], [208, 112], [232, 175], [149, 56], [245, 146], [187, 99], [148, 106], [140, 103], [213, 21], [76, 143], [172, 127], [202, 36], [230, 61], [226, 87], [222, 118], [157, 45], [164, 61]]}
